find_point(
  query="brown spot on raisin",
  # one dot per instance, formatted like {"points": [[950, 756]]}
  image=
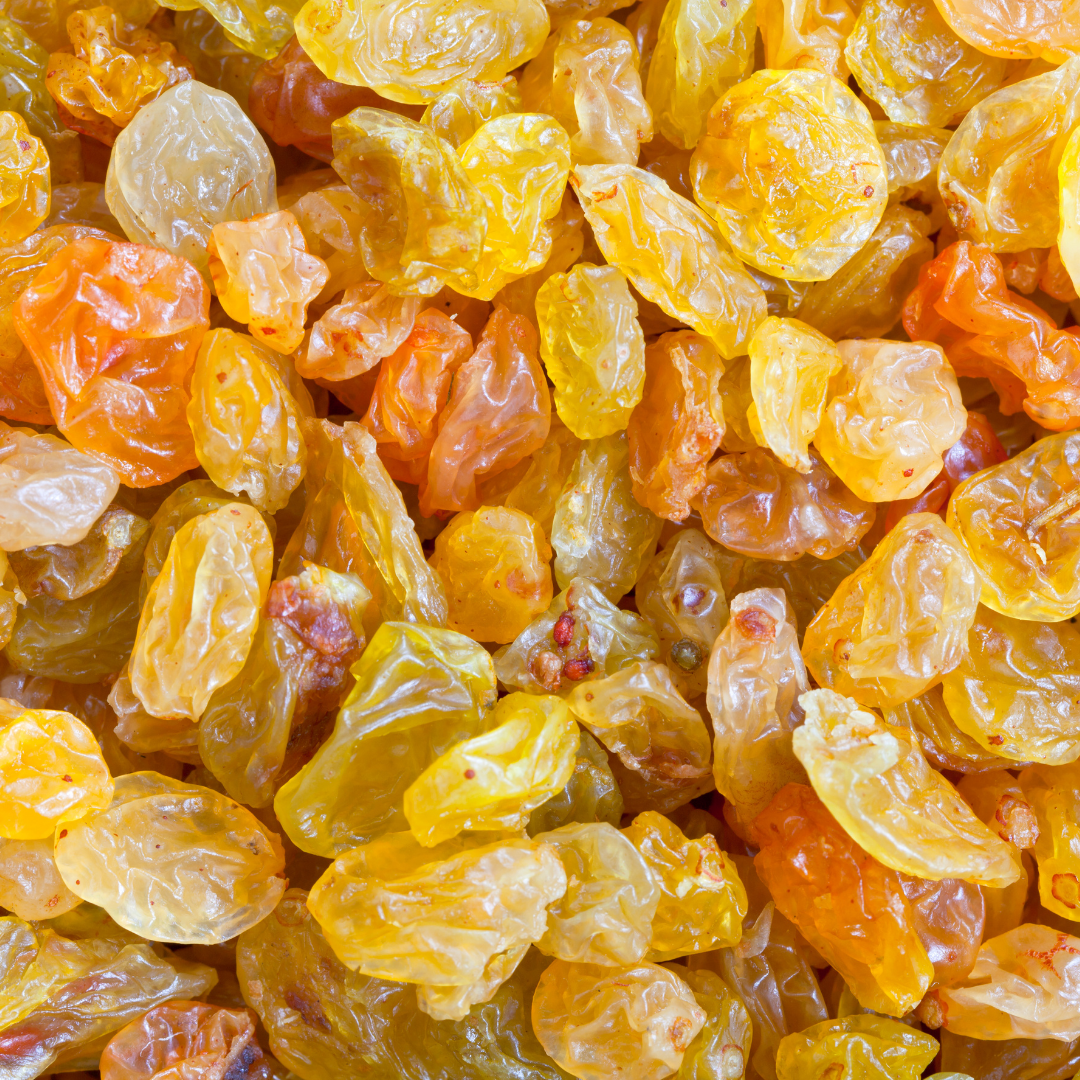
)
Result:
{"points": [[309, 1008], [756, 624]]}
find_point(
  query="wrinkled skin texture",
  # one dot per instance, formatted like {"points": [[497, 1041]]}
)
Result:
{"points": [[865, 296], [756, 675], [535, 483], [1068, 238], [369, 324], [80, 640], [911, 63], [262, 29], [246, 421], [456, 908], [590, 795], [30, 884], [183, 1035], [333, 220], [894, 410], [867, 930], [632, 1022], [519, 163], [977, 448], [68, 989], [1018, 28], [600, 530], [260, 727], [962, 303], [639, 716], [662, 242], [806, 34], [356, 521], [1002, 1059], [951, 919], [411, 389], [607, 911], [1017, 136], [793, 173], [722, 1047], [896, 625], [875, 781], [424, 220], [1051, 792], [582, 636], [172, 861], [68, 572], [413, 50], [872, 1047], [24, 179], [264, 276], [943, 743], [1016, 522], [791, 366], [188, 161], [51, 769], [493, 599], [458, 113], [587, 78], [176, 510], [38, 474], [1016, 690], [682, 595], [754, 504], [22, 392], [769, 972], [518, 765], [148, 306], [498, 412], [701, 50], [201, 612], [1016, 990], [295, 103], [592, 347], [678, 425], [419, 691], [321, 1017], [25, 64], [110, 72], [702, 901]]}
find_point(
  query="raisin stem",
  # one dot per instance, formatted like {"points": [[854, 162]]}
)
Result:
{"points": [[1055, 510]]}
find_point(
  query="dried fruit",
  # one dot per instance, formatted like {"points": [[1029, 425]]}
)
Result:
{"points": [[877, 784], [264, 276], [415, 49], [678, 425], [510, 770], [171, 861], [592, 347], [493, 599], [596, 1022], [792, 171], [756, 676], [900, 622], [113, 329]]}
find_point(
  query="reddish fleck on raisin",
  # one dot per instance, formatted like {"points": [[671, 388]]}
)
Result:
{"points": [[562, 632], [577, 669], [757, 624]]}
